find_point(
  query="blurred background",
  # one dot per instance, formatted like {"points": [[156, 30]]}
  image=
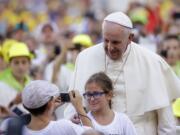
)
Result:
{"points": [[55, 31]]}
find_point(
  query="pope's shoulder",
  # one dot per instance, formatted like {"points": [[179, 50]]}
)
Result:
{"points": [[144, 52], [97, 51], [148, 56]]}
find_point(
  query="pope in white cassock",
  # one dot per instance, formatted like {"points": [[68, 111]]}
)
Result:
{"points": [[144, 84]]}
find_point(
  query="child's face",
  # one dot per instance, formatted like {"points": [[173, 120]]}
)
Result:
{"points": [[20, 66], [96, 98], [172, 57]]}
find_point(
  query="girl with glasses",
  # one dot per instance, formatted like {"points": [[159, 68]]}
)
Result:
{"points": [[98, 95]]}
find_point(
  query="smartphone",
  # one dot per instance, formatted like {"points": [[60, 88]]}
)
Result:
{"points": [[57, 50], [17, 111], [65, 97]]}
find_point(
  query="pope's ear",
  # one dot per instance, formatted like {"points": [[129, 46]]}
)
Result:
{"points": [[131, 36]]}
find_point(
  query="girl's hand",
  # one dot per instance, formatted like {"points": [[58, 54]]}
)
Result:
{"points": [[76, 100]]}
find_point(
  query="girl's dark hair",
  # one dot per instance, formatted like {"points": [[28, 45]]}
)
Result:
{"points": [[103, 81]]}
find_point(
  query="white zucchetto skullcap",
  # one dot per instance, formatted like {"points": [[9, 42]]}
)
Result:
{"points": [[38, 93], [119, 18]]}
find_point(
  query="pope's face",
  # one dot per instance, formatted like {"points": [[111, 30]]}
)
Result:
{"points": [[116, 39]]}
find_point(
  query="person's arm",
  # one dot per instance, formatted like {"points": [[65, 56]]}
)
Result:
{"points": [[76, 100], [58, 62], [166, 121]]}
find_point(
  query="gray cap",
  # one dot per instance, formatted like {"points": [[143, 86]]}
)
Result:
{"points": [[119, 18], [38, 93]]}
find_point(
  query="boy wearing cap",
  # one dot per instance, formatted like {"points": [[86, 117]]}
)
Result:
{"points": [[16, 76], [40, 98]]}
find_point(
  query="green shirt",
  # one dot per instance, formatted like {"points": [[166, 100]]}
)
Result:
{"points": [[70, 66], [7, 77], [176, 68]]}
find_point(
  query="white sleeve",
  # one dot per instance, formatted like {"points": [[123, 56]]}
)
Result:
{"points": [[166, 121], [7, 94], [77, 128], [80, 129], [48, 72], [129, 128], [69, 111]]}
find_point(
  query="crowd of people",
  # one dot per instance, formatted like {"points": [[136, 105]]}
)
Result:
{"points": [[121, 69]]}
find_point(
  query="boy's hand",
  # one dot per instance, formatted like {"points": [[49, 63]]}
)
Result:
{"points": [[75, 119], [58, 102]]}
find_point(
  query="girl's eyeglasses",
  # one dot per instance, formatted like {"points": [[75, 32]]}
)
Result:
{"points": [[95, 95]]}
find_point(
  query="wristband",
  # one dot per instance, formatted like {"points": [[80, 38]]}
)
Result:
{"points": [[84, 116]]}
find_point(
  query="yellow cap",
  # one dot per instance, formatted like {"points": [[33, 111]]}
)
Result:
{"points": [[176, 107], [19, 49], [139, 15], [7, 44], [0, 51], [83, 40]]}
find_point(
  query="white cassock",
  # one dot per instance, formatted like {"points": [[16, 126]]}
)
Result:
{"points": [[144, 88]]}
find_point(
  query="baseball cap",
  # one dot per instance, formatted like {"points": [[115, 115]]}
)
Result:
{"points": [[119, 18], [176, 107], [37, 93], [83, 40], [19, 49], [7, 44], [0, 51]]}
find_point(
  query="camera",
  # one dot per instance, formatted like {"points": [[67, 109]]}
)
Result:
{"points": [[65, 97]]}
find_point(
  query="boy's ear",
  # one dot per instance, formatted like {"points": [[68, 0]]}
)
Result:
{"points": [[50, 103]]}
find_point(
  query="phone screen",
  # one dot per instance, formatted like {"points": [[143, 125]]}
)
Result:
{"points": [[65, 97], [17, 111]]}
